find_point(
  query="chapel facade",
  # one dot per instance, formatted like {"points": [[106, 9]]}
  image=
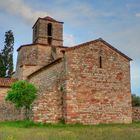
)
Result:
{"points": [[88, 83]]}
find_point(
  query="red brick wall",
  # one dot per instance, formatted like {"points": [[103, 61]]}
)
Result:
{"points": [[48, 106], [7, 109], [97, 95], [136, 113]]}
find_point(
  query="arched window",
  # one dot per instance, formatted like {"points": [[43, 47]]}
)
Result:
{"points": [[49, 29]]}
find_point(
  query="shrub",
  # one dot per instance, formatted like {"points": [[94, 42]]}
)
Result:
{"points": [[135, 100], [22, 94]]}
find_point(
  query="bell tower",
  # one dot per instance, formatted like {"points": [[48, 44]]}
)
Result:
{"points": [[48, 31]]}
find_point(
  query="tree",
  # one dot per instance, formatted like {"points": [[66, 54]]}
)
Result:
{"points": [[22, 94], [7, 53], [135, 100], [2, 67]]}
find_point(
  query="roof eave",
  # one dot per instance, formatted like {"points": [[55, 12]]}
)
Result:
{"points": [[94, 41], [47, 20]]}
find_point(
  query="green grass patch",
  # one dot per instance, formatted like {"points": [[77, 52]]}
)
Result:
{"points": [[31, 124], [27, 130]]}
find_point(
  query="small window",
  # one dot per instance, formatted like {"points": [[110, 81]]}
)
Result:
{"points": [[49, 29], [100, 62]]}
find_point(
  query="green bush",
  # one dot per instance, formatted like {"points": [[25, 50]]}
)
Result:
{"points": [[22, 94], [135, 100]]}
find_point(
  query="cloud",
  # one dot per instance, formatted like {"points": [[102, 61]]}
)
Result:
{"points": [[69, 40], [137, 14], [18, 7], [77, 12], [73, 14], [127, 40]]}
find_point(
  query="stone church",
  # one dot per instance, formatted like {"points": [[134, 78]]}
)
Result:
{"points": [[88, 83]]}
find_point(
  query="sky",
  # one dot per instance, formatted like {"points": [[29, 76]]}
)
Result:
{"points": [[116, 21]]}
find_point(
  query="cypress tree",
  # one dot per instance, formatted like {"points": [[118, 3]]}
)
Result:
{"points": [[7, 53], [2, 67]]}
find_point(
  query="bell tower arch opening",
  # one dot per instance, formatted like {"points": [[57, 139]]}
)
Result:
{"points": [[49, 31]]}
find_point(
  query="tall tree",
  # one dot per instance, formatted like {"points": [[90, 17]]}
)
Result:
{"points": [[7, 53], [2, 67]]}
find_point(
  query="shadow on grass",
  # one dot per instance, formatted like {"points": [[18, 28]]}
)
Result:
{"points": [[31, 124]]}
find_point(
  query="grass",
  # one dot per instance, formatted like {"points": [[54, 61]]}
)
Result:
{"points": [[27, 130]]}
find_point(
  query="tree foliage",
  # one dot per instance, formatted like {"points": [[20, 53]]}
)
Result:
{"points": [[7, 54], [22, 94], [2, 67], [135, 100]]}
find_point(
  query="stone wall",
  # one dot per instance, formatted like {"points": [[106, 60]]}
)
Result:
{"points": [[93, 94], [41, 36], [27, 55], [48, 106], [136, 113], [31, 58], [7, 110]]}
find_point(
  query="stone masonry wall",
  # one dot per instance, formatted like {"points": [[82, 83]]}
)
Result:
{"points": [[93, 94], [7, 110], [48, 106], [136, 113], [31, 58], [57, 33], [27, 55]]}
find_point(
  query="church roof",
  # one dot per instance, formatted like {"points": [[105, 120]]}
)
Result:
{"points": [[65, 49], [46, 66], [25, 45], [6, 82], [49, 18], [98, 40]]}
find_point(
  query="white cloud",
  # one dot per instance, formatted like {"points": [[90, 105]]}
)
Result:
{"points": [[137, 14], [18, 7], [69, 40], [77, 13]]}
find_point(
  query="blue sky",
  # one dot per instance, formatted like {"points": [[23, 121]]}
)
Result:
{"points": [[116, 21]]}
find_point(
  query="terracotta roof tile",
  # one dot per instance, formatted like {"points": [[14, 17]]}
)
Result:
{"points": [[6, 82], [48, 19]]}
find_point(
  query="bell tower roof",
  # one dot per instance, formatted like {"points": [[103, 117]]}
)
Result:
{"points": [[47, 18]]}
